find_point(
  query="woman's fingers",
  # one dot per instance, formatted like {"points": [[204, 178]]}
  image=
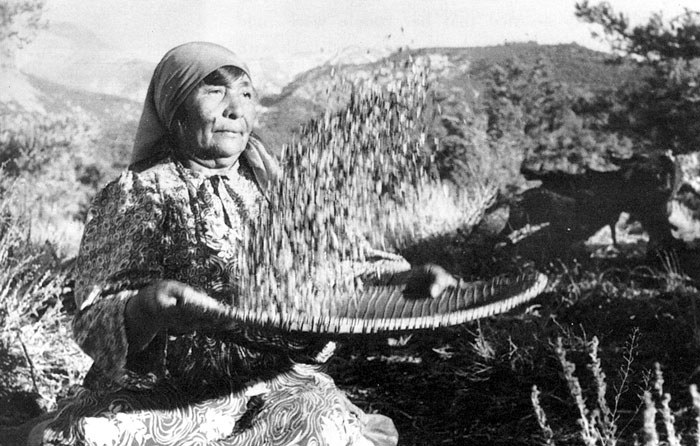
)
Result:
{"points": [[153, 302], [441, 280], [178, 307], [429, 281], [181, 307], [189, 297]]}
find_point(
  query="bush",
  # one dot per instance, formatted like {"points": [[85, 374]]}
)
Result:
{"points": [[662, 107], [547, 124], [34, 354], [48, 174]]}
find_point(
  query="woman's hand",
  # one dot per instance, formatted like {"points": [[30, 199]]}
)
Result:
{"points": [[177, 306], [429, 280], [167, 304]]}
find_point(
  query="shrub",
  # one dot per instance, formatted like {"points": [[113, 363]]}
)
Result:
{"points": [[545, 123], [662, 107], [34, 324], [43, 160]]}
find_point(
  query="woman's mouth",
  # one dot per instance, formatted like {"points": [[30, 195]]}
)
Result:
{"points": [[238, 126]]}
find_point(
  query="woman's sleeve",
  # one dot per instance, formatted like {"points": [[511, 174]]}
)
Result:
{"points": [[120, 253]]}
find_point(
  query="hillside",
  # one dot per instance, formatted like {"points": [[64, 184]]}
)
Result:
{"points": [[74, 57], [112, 97], [17, 93], [571, 63], [458, 74], [457, 77], [115, 116], [58, 146]]}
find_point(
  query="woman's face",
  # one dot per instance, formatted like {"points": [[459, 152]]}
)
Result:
{"points": [[218, 122]]}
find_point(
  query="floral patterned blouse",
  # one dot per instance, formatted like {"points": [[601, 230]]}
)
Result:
{"points": [[164, 222]]}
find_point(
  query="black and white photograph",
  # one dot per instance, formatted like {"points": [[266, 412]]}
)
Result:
{"points": [[349, 223]]}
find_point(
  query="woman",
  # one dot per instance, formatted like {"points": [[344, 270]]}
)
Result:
{"points": [[157, 249]]}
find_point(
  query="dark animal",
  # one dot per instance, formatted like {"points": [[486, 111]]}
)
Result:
{"points": [[577, 205]]}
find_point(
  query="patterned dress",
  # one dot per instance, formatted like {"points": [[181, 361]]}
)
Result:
{"points": [[164, 221]]}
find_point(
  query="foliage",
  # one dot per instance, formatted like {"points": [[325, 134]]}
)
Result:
{"points": [[460, 149], [42, 200], [34, 323], [525, 99], [662, 108], [20, 20], [49, 174], [600, 425], [547, 123], [597, 425], [655, 42], [29, 142]]}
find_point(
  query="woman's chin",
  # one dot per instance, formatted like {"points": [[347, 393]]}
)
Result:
{"points": [[224, 159], [217, 160], [230, 146], [231, 154]]}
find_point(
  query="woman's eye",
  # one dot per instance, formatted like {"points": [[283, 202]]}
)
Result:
{"points": [[248, 95], [215, 91]]}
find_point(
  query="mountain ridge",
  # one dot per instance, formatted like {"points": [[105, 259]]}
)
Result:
{"points": [[457, 73]]}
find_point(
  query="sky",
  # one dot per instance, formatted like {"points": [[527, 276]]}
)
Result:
{"points": [[277, 28]]}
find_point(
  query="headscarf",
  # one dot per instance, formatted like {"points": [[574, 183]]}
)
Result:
{"points": [[176, 76]]}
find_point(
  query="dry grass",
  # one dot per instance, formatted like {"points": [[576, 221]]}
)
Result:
{"points": [[35, 326], [40, 201], [631, 406], [45, 162]]}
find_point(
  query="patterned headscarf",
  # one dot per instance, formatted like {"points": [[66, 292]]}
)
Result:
{"points": [[175, 77]]}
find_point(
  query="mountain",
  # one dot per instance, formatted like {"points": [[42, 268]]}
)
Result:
{"points": [[76, 62], [457, 74], [356, 55], [272, 74], [74, 57], [295, 87], [18, 94], [111, 119]]}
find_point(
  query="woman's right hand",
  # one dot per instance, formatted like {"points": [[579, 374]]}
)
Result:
{"points": [[177, 306], [168, 304]]}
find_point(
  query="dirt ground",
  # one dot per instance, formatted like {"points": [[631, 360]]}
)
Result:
{"points": [[472, 384]]}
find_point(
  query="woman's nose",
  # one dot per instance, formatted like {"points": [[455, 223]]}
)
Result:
{"points": [[234, 109]]}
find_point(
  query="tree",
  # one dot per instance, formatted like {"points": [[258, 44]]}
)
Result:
{"points": [[662, 107], [557, 126], [20, 21], [654, 42]]}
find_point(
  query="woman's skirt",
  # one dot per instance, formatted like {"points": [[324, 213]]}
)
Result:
{"points": [[299, 407]]}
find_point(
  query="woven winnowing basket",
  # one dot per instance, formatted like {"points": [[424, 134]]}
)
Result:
{"points": [[385, 306]]}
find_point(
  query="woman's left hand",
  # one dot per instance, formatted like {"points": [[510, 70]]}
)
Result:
{"points": [[429, 280]]}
